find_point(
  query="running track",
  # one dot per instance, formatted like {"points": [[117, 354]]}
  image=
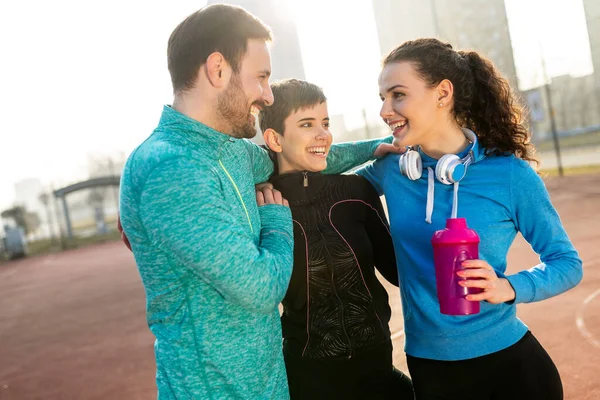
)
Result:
{"points": [[72, 324]]}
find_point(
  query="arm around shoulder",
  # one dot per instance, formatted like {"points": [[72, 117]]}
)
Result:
{"points": [[262, 166], [345, 156]]}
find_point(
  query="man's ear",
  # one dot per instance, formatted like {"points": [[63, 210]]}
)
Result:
{"points": [[218, 70], [273, 140]]}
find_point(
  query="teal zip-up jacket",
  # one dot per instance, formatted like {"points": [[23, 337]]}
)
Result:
{"points": [[214, 265]]}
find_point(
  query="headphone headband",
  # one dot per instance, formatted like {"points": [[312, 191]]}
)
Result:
{"points": [[411, 165]]}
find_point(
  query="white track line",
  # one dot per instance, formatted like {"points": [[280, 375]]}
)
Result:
{"points": [[579, 320], [49, 259]]}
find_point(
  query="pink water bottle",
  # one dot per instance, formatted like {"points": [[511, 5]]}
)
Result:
{"points": [[452, 246]]}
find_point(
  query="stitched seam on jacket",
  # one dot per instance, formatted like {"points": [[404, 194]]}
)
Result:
{"points": [[307, 290], [354, 254], [238, 193]]}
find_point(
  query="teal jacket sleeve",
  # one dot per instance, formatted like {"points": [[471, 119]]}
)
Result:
{"points": [[539, 223], [262, 166], [190, 220], [345, 156], [342, 157]]}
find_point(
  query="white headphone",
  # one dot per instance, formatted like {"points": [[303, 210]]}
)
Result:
{"points": [[449, 169]]}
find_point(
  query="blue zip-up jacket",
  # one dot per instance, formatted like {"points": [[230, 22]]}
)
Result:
{"points": [[499, 196], [214, 265]]}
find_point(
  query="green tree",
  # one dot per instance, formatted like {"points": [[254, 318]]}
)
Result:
{"points": [[29, 221]]}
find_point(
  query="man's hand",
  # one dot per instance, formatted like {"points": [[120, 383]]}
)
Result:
{"points": [[268, 195], [123, 236], [480, 274], [386, 148], [264, 185]]}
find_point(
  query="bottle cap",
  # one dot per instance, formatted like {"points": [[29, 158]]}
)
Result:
{"points": [[456, 223]]}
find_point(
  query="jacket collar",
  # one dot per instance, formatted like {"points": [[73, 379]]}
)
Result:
{"points": [[292, 185], [192, 131]]}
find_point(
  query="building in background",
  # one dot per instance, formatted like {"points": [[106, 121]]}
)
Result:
{"points": [[575, 104], [286, 57], [592, 17], [575, 99], [457, 21]]}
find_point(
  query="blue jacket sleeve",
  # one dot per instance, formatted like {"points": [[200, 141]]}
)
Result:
{"points": [[189, 219], [375, 173], [539, 223]]}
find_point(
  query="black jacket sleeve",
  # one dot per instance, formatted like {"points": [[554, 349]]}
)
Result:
{"points": [[379, 233]]}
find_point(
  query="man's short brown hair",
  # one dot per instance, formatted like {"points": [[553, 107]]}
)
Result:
{"points": [[217, 28]]}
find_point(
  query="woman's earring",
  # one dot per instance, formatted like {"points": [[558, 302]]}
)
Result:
{"points": [[441, 104]]}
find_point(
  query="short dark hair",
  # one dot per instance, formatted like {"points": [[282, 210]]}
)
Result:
{"points": [[290, 96], [216, 28]]}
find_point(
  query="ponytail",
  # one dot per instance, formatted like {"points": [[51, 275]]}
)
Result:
{"points": [[483, 100], [494, 112]]}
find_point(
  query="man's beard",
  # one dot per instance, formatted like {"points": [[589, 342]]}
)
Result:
{"points": [[233, 110]]}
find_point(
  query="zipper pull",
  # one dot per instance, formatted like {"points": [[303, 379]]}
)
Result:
{"points": [[305, 179]]}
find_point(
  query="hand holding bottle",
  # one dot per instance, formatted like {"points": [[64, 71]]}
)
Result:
{"points": [[480, 274]]}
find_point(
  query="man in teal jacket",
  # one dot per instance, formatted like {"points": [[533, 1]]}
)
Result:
{"points": [[214, 265]]}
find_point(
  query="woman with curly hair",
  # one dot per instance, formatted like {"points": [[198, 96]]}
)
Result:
{"points": [[466, 141]]}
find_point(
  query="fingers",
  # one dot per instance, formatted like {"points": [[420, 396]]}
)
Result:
{"points": [[483, 296], [260, 198], [397, 150], [479, 274], [386, 148], [500, 292], [477, 283], [270, 196], [266, 185], [277, 197], [477, 264]]}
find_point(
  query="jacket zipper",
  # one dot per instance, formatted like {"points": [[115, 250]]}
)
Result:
{"points": [[305, 174]]}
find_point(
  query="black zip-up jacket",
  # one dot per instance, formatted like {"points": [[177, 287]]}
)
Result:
{"points": [[335, 305]]}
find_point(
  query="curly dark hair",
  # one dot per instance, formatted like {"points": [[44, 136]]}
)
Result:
{"points": [[483, 100]]}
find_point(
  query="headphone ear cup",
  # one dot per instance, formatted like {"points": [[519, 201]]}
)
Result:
{"points": [[411, 165], [445, 167]]}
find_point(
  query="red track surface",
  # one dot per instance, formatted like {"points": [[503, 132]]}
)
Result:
{"points": [[72, 325]]}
